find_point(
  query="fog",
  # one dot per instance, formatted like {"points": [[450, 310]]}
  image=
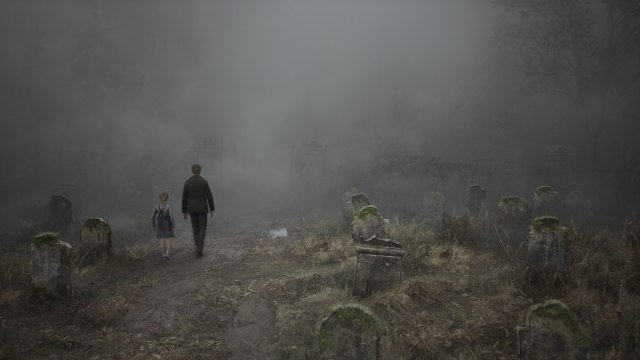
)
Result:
{"points": [[105, 99]]}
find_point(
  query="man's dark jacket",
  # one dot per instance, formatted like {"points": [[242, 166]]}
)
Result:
{"points": [[196, 195]]}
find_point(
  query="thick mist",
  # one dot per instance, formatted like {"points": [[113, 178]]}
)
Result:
{"points": [[111, 102]]}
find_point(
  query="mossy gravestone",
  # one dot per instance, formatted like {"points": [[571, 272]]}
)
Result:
{"points": [[349, 332], [433, 205], [368, 223], [547, 251], [60, 217], [513, 218], [551, 331], [50, 270], [95, 235], [355, 201], [545, 202]]}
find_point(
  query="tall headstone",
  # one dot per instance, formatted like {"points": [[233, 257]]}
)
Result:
{"points": [[379, 265], [349, 332], [368, 223], [60, 217], [433, 205], [551, 331], [50, 266], [95, 235], [547, 251], [476, 196], [513, 218], [545, 202]]}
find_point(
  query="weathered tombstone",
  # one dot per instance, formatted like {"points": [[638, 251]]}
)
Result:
{"points": [[545, 202], [379, 265], [513, 216], [547, 251], [355, 200], [95, 235], [433, 205], [60, 217], [368, 223], [476, 196], [349, 332], [50, 270], [551, 331], [577, 204]]}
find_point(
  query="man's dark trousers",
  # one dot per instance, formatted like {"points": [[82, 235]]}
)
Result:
{"points": [[199, 225]]}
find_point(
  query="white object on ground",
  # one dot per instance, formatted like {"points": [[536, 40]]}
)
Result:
{"points": [[277, 233]]}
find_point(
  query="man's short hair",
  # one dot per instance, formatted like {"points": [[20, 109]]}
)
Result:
{"points": [[196, 168]]}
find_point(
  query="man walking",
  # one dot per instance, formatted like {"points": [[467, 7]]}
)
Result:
{"points": [[197, 201]]}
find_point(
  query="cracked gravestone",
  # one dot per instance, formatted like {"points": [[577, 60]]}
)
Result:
{"points": [[50, 266], [349, 332], [551, 331], [60, 217], [95, 235], [379, 265], [545, 202], [547, 251]]}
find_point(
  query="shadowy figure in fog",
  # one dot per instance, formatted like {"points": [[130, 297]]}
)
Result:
{"points": [[164, 224], [197, 201]]}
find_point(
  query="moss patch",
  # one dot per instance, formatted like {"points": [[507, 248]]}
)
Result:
{"points": [[46, 238], [546, 222], [95, 224], [369, 210], [353, 316], [516, 200]]}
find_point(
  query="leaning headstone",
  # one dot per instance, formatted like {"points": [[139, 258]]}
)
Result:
{"points": [[379, 265], [513, 218], [368, 223], [551, 331], [95, 235], [476, 196], [355, 201], [433, 205], [50, 270], [547, 251], [545, 202], [349, 332], [60, 217]]}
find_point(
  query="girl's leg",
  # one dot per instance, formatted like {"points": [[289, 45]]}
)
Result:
{"points": [[168, 246], [163, 246]]}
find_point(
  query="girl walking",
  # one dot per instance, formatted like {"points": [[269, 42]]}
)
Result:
{"points": [[163, 224]]}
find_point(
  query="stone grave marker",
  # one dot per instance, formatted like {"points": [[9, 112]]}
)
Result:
{"points": [[60, 217], [547, 250], [349, 332], [368, 223], [551, 331], [355, 201], [95, 235], [476, 196], [545, 202], [379, 265], [433, 205], [513, 218], [50, 268]]}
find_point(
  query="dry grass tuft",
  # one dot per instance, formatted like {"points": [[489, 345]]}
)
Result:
{"points": [[105, 311], [415, 238]]}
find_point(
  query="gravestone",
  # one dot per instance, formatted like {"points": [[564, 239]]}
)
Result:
{"points": [[60, 217], [50, 269], [379, 265], [577, 204], [476, 196], [368, 223], [349, 332], [354, 202], [95, 235], [545, 202], [433, 205], [513, 217], [551, 331], [547, 251]]}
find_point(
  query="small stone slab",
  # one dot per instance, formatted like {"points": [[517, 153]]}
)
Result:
{"points": [[95, 235], [50, 266]]}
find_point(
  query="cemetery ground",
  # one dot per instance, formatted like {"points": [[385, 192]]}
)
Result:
{"points": [[253, 296]]}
